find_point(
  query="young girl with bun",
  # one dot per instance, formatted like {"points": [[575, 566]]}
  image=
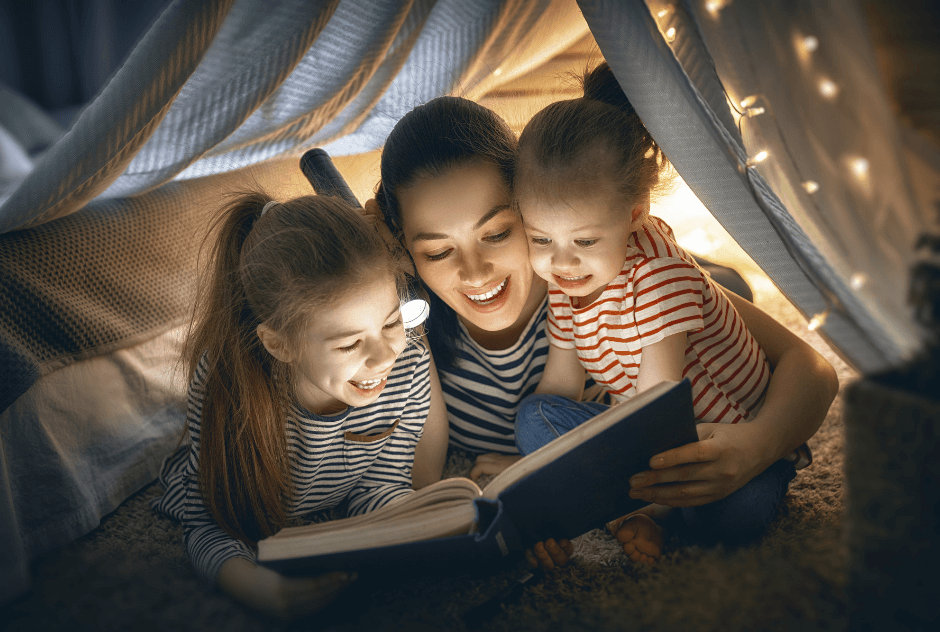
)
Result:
{"points": [[632, 308], [305, 392]]}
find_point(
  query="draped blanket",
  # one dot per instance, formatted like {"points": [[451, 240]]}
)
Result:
{"points": [[771, 111]]}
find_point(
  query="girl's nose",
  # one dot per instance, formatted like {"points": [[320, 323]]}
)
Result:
{"points": [[382, 354], [564, 259]]}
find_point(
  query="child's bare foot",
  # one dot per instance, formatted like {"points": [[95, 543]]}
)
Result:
{"points": [[642, 539]]}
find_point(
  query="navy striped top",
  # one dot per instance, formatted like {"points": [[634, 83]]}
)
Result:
{"points": [[483, 389], [363, 454]]}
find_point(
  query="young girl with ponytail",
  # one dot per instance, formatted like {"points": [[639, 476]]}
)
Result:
{"points": [[305, 392], [632, 308]]}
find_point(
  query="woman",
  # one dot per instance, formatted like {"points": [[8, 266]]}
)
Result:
{"points": [[446, 196]]}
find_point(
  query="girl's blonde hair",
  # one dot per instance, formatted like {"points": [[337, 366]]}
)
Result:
{"points": [[277, 269], [582, 145]]}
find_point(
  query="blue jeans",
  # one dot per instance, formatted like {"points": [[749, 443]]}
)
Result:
{"points": [[739, 518]]}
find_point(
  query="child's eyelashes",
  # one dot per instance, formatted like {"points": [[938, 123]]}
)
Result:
{"points": [[387, 327], [437, 256], [544, 241]]}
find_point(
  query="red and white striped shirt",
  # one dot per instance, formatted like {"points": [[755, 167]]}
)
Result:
{"points": [[660, 291]]}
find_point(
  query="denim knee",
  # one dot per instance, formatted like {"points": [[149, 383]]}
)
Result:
{"points": [[533, 430], [742, 517], [543, 418]]}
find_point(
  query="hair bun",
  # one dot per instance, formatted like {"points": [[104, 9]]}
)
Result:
{"points": [[601, 85]]}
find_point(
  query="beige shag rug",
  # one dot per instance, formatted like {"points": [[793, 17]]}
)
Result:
{"points": [[131, 573]]}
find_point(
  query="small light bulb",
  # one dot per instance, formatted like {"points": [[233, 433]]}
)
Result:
{"points": [[811, 186], [810, 43], [760, 156], [497, 72], [828, 88], [747, 102], [670, 34], [754, 111], [818, 321], [663, 13], [858, 280], [714, 7], [859, 167]]}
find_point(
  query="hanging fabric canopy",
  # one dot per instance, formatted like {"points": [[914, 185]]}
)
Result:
{"points": [[774, 114], [97, 251]]}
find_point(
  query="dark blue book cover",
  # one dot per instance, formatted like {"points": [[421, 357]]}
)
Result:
{"points": [[577, 483]]}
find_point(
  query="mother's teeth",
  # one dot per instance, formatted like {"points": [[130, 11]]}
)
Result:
{"points": [[487, 295]]}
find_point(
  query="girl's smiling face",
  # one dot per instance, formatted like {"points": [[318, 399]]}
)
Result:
{"points": [[580, 245], [349, 348], [468, 245]]}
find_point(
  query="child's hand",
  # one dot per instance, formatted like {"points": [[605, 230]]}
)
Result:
{"points": [[492, 463], [373, 213], [549, 554], [724, 459], [276, 595]]}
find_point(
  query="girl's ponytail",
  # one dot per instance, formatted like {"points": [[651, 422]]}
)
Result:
{"points": [[242, 473], [601, 85], [579, 145]]}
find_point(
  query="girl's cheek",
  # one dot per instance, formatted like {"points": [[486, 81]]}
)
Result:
{"points": [[400, 343]]}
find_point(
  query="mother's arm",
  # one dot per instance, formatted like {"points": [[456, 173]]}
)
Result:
{"points": [[726, 457]]}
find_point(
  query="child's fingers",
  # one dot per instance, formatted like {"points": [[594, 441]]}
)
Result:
{"points": [[545, 560], [560, 551], [491, 463], [481, 469], [531, 561]]}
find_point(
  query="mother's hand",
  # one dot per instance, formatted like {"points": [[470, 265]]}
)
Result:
{"points": [[724, 459]]}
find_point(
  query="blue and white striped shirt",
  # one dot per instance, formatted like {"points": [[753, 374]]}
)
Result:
{"points": [[363, 454], [483, 389]]}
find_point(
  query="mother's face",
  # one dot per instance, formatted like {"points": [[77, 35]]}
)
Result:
{"points": [[468, 244]]}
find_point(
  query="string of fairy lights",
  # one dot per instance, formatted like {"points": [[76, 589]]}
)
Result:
{"points": [[757, 105]]}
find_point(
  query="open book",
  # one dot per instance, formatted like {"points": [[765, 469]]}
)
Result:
{"points": [[564, 489]]}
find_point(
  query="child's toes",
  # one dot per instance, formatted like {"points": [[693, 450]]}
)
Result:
{"points": [[642, 539]]}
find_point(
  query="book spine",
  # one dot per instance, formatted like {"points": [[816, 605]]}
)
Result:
{"points": [[497, 538]]}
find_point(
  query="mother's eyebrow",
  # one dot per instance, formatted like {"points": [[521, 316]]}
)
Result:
{"points": [[493, 212]]}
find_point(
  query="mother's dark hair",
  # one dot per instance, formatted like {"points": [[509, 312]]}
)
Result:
{"points": [[429, 142]]}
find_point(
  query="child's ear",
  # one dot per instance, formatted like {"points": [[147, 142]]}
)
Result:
{"points": [[274, 343], [642, 208]]}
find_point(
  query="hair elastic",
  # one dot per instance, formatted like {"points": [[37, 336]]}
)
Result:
{"points": [[266, 207]]}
